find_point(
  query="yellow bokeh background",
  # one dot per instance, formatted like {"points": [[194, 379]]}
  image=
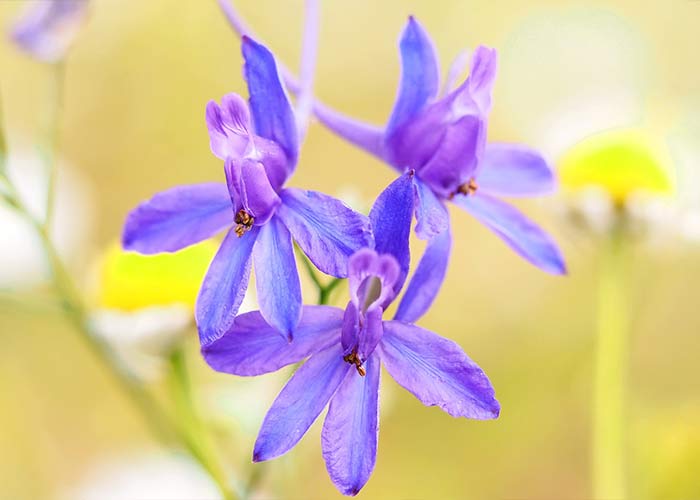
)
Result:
{"points": [[137, 84]]}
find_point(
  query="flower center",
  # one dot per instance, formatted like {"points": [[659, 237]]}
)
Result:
{"points": [[244, 222], [468, 188], [354, 359]]}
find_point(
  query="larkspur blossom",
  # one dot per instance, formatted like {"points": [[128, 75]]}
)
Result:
{"points": [[345, 350], [443, 140], [46, 30], [259, 144]]}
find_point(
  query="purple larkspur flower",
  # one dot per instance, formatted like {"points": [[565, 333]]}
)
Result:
{"points": [[259, 144], [47, 29], [345, 349], [442, 139]]}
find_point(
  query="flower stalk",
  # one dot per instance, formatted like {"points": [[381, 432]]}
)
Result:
{"points": [[608, 454]]}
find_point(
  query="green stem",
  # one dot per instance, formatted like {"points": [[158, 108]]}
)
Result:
{"points": [[324, 292], [608, 454], [158, 421], [53, 129], [192, 429]]}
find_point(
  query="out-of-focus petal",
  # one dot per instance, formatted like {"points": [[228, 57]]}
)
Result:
{"points": [[482, 75], [224, 286], [177, 218], [276, 278], [457, 157], [252, 347], [327, 230], [46, 30], [427, 279], [300, 403], [273, 116], [229, 126], [519, 232], [351, 429], [437, 371], [431, 214], [420, 75], [514, 170], [391, 217], [363, 135]]}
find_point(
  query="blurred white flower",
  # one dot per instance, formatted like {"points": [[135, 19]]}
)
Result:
{"points": [[144, 476], [22, 260], [143, 337]]}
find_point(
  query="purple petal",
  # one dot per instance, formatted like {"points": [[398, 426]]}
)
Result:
{"points": [[272, 113], [276, 278], [427, 279], [458, 66], [327, 230], [46, 30], [252, 347], [420, 78], [351, 430], [364, 265], [371, 333], [431, 213], [224, 286], [456, 158], [177, 218], [514, 170], [482, 76], [391, 218], [229, 126], [363, 135], [351, 328], [437, 371], [520, 233], [299, 403], [250, 189]]}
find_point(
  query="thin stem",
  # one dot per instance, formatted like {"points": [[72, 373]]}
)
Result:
{"points": [[324, 294], [53, 128], [241, 28], [192, 429], [305, 97], [608, 454], [71, 301]]}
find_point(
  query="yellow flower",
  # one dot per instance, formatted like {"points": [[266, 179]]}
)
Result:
{"points": [[621, 162], [131, 281]]}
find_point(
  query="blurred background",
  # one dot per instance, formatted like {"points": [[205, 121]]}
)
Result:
{"points": [[137, 82]]}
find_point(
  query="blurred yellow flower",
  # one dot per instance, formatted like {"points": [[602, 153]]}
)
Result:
{"points": [[621, 162], [130, 281]]}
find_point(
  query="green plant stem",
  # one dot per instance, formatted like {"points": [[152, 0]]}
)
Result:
{"points": [[71, 302], [324, 292], [53, 132], [191, 427], [608, 453]]}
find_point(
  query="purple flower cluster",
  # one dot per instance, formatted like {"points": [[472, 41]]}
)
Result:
{"points": [[438, 145]]}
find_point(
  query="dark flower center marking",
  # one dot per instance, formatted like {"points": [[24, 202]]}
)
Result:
{"points": [[468, 188], [244, 222], [354, 359]]}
